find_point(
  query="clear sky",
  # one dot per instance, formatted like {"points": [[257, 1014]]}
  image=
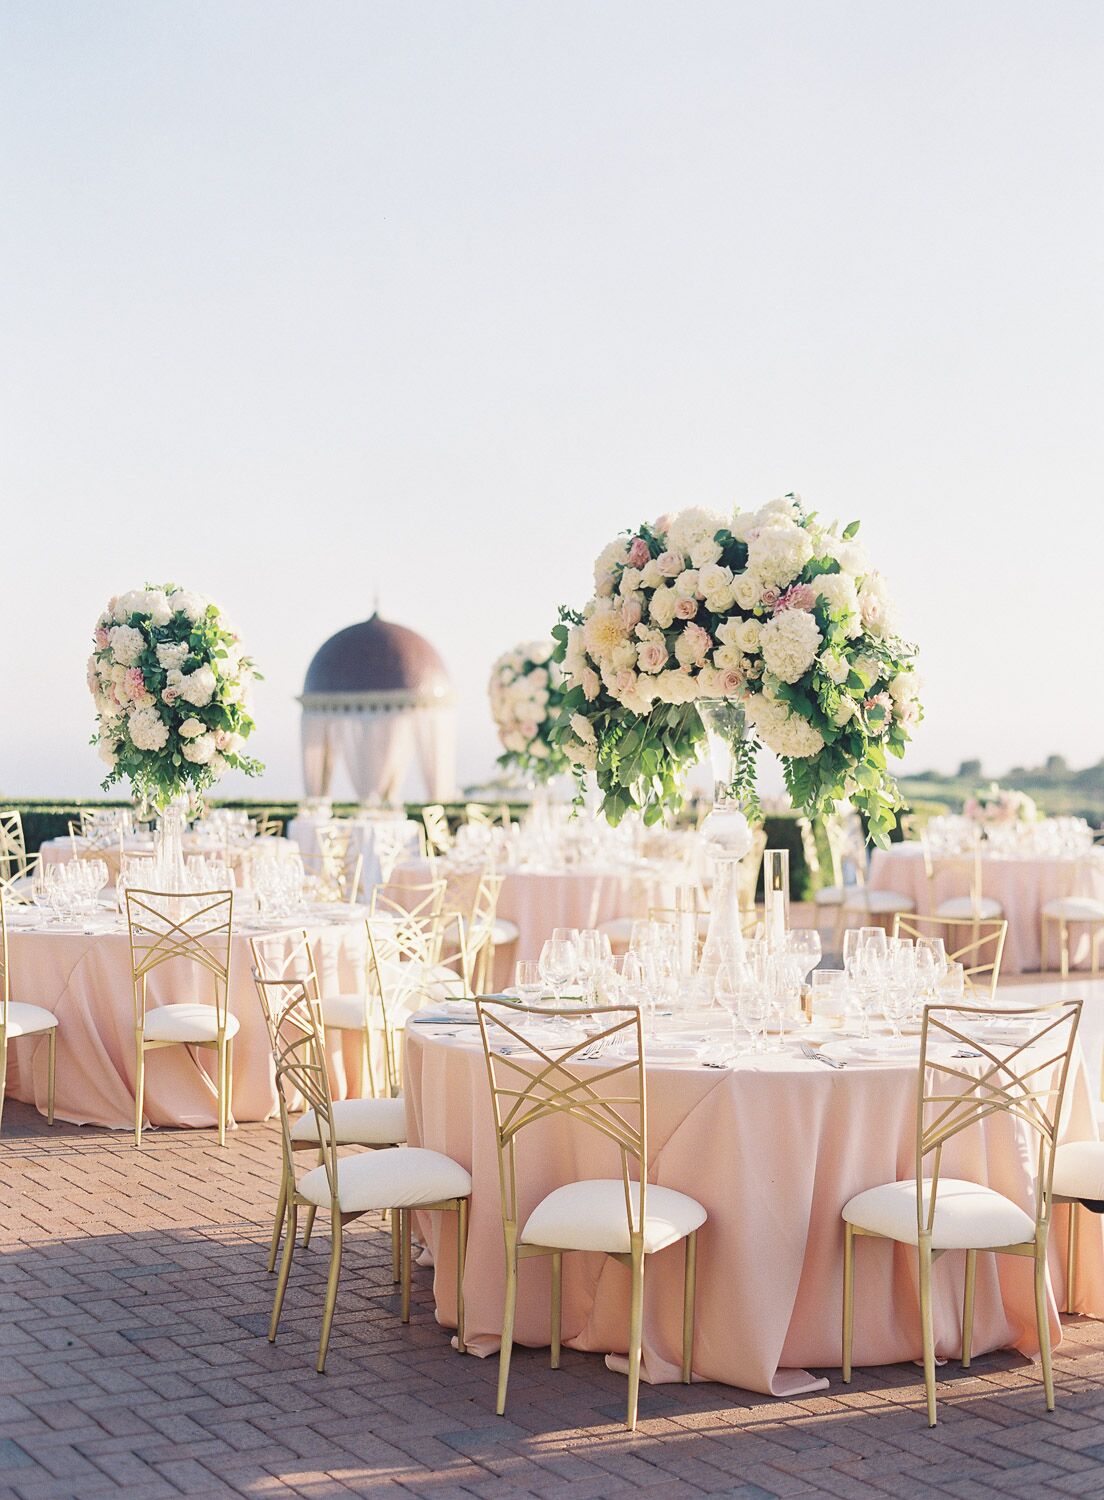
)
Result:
{"points": [[302, 302]]}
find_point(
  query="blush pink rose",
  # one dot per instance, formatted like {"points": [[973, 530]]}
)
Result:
{"points": [[670, 564], [686, 609], [100, 637], [661, 523], [698, 642], [639, 553], [732, 681], [624, 682], [631, 612], [770, 597], [592, 684], [652, 657]]}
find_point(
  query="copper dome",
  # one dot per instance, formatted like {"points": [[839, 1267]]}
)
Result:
{"points": [[377, 656]]}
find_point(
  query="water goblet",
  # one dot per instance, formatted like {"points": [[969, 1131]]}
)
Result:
{"points": [[527, 981]]}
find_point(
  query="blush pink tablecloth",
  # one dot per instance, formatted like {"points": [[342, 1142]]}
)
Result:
{"points": [[85, 980], [773, 1150], [1022, 886]]}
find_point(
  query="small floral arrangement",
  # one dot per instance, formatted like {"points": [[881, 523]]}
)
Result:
{"points": [[774, 608], [999, 807], [171, 688], [526, 693]]}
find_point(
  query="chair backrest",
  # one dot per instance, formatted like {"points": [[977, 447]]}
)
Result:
{"points": [[333, 880], [5, 975], [195, 926], [398, 956], [418, 902], [275, 960], [436, 823], [13, 845], [810, 851], [480, 814], [1024, 1079], [846, 848], [266, 825], [393, 841], [293, 1017], [528, 1084], [977, 943], [963, 863]]}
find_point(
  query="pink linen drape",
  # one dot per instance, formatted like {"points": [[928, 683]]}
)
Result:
{"points": [[773, 1150]]}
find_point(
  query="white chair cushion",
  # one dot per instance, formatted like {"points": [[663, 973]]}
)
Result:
{"points": [[829, 895], [1079, 1170], [359, 1122], [505, 932], [186, 1023], [986, 909], [862, 898], [967, 1215], [344, 1012], [591, 1216], [1075, 909], [408, 1177], [25, 1020]]}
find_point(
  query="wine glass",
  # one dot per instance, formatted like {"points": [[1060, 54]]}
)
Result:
{"points": [[593, 951], [527, 981], [896, 1006], [754, 1007], [732, 978], [558, 963]]}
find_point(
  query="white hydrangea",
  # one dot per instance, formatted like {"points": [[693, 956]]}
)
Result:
{"points": [[691, 527], [173, 654], [834, 667], [198, 687], [192, 606], [156, 605], [842, 598], [744, 522], [127, 644], [780, 730], [199, 751], [778, 552], [789, 643], [146, 729]]}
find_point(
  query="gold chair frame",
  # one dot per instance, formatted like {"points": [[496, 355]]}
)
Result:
{"points": [[1009, 1083], [158, 936], [296, 1037], [1095, 927], [5, 1003], [416, 944], [550, 1089], [438, 834], [982, 932]]}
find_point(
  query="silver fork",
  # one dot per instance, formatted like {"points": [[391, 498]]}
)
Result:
{"points": [[814, 1056]]}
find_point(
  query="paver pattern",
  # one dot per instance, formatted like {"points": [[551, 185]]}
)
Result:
{"points": [[134, 1307]]}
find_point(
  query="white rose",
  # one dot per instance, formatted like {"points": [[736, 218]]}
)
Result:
{"points": [[106, 751], [877, 615], [583, 728], [686, 584], [706, 553], [835, 668], [156, 605], [192, 606], [789, 643], [748, 588], [845, 713], [650, 576], [630, 581], [199, 751], [714, 580], [747, 635], [662, 607], [191, 729]]}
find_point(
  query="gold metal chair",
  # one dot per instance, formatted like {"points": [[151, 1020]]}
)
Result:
{"points": [[966, 865], [266, 825], [608, 1215], [18, 1019], [848, 851], [196, 928], [438, 835], [977, 945], [937, 1215], [1069, 910], [17, 867], [402, 1180], [335, 881]]}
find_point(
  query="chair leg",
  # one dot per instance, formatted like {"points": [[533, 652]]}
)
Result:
{"points": [[396, 1251], [331, 1290], [636, 1333], [3, 1072], [968, 1307], [461, 1262], [1071, 1258], [1063, 942], [278, 1224], [689, 1289], [1042, 1323], [404, 1227], [508, 1312], [308, 1226], [1044, 944], [927, 1331], [557, 1305], [223, 1089], [139, 1090], [367, 1075], [51, 1074], [285, 1270], [848, 1298]]}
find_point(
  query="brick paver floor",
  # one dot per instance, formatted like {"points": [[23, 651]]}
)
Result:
{"points": [[134, 1305]]}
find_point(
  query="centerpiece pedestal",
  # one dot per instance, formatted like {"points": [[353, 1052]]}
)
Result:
{"points": [[726, 834]]}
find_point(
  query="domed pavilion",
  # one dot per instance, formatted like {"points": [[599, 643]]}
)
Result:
{"points": [[377, 700]]}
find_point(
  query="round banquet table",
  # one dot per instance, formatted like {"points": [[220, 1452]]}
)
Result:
{"points": [[61, 851], [772, 1148], [1022, 885], [85, 979], [303, 830]]}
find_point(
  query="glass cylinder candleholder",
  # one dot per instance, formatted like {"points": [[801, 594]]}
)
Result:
{"points": [[776, 897]]}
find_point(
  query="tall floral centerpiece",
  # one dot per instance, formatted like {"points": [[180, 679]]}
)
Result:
{"points": [[171, 687], [526, 695], [766, 627], [995, 806]]}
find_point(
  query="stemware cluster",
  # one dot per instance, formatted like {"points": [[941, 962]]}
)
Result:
{"points": [[69, 890], [897, 975]]}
